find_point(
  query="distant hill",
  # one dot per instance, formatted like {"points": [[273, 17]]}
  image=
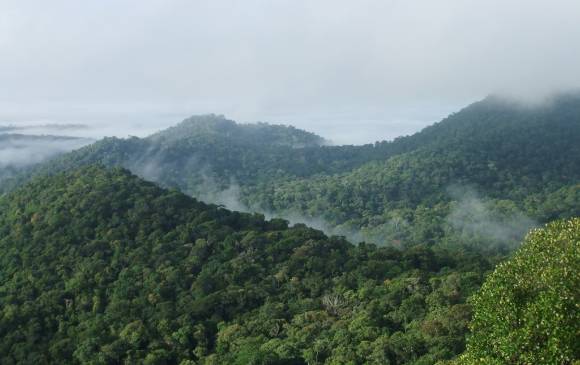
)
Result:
{"points": [[206, 154], [518, 159], [98, 266], [213, 128], [490, 171]]}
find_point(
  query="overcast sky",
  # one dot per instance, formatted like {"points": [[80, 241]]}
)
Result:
{"points": [[354, 71]]}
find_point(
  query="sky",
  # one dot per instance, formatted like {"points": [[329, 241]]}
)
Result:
{"points": [[352, 71]]}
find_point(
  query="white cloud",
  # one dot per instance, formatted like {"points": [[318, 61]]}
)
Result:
{"points": [[253, 60]]}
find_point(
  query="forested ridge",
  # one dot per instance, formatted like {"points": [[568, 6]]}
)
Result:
{"points": [[98, 266], [209, 152], [300, 182], [518, 160], [481, 176]]}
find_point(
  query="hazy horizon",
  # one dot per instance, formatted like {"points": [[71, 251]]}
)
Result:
{"points": [[337, 129], [346, 128], [351, 72]]}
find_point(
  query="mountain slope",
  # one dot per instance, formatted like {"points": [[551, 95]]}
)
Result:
{"points": [[207, 153], [516, 157], [98, 266], [212, 128], [519, 165]]}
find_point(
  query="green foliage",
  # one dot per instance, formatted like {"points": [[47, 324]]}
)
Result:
{"points": [[528, 158], [523, 161], [213, 128], [100, 267], [527, 310]]}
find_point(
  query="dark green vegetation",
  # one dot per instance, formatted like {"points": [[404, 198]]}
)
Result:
{"points": [[215, 128], [525, 162], [482, 176], [527, 310], [206, 154], [100, 267]]}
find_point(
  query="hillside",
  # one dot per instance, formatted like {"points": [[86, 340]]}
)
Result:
{"points": [[513, 163], [213, 128], [205, 155], [482, 176], [98, 266]]}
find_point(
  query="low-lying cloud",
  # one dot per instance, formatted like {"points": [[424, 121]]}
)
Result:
{"points": [[41, 129], [354, 62], [493, 222], [23, 150]]}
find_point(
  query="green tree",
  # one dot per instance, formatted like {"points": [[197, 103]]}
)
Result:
{"points": [[527, 310]]}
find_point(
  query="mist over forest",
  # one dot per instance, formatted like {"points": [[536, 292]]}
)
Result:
{"points": [[292, 182]]}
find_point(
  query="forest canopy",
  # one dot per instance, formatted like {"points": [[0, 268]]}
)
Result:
{"points": [[527, 310], [98, 266], [481, 177]]}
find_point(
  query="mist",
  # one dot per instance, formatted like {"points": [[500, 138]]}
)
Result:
{"points": [[151, 166], [22, 150], [231, 198], [487, 221], [378, 68]]}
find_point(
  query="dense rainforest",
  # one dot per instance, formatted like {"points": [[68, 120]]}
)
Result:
{"points": [[483, 176], [493, 161], [100, 267]]}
